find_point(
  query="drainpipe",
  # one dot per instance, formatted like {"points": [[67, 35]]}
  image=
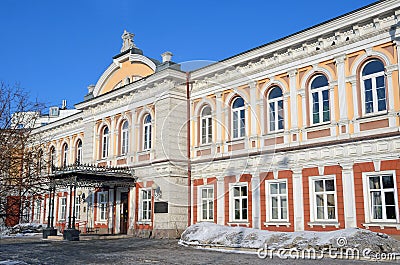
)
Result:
{"points": [[188, 149]]}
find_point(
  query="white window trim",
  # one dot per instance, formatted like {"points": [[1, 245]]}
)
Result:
{"points": [[99, 219], [124, 138], [147, 141], [319, 90], [37, 210], [77, 208], [367, 201], [140, 208], [79, 152], [269, 201], [276, 109], [374, 92], [105, 143], [238, 110], [208, 119], [65, 154], [60, 205], [200, 203], [232, 203], [313, 206]]}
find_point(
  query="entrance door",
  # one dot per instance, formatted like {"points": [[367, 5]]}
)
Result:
{"points": [[124, 213]]}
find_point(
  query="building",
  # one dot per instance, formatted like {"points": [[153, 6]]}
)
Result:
{"points": [[298, 134]]}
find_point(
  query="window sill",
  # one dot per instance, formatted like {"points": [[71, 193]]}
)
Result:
{"points": [[239, 223], [323, 125], [323, 224], [143, 222], [203, 146], [382, 225], [237, 140], [277, 224], [372, 115], [274, 134], [144, 152]]}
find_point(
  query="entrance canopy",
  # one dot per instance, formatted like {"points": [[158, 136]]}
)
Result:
{"points": [[93, 176]]}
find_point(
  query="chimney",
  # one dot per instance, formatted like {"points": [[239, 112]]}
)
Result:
{"points": [[64, 104], [166, 57]]}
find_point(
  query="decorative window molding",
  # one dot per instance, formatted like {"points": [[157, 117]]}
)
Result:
{"points": [[65, 155], [145, 205], [238, 202], [276, 193], [380, 198], [373, 88], [323, 200], [105, 142], [79, 152], [125, 137], [275, 109], [102, 200], [147, 132], [206, 202], [62, 216], [238, 118], [206, 125], [319, 100]]}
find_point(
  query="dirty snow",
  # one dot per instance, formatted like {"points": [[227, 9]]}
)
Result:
{"points": [[19, 230], [210, 234]]}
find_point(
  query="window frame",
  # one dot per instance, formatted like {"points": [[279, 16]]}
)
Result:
{"points": [[79, 151], [105, 142], [269, 196], [208, 200], [147, 132], [65, 155], [367, 198], [374, 89], [319, 91], [37, 210], [62, 208], [241, 130], [148, 201], [124, 137], [232, 198], [275, 101], [102, 206], [77, 208], [313, 203], [208, 126]]}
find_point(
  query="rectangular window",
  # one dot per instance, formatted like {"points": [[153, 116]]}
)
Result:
{"points": [[239, 202], [77, 208], [207, 203], [145, 213], [382, 197], [323, 198], [102, 202], [38, 210], [277, 198], [63, 208]]}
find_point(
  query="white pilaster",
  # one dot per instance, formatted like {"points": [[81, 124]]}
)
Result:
{"points": [[218, 123], [349, 202], [253, 103], [255, 187], [293, 99], [298, 202], [221, 200], [390, 104], [341, 75], [111, 209]]}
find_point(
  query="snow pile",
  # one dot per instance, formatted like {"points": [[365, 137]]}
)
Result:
{"points": [[22, 230], [210, 234]]}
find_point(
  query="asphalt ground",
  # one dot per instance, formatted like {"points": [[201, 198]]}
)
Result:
{"points": [[34, 250]]}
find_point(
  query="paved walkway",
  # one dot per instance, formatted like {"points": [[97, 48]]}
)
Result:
{"points": [[129, 251]]}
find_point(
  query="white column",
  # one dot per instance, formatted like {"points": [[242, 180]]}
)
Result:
{"points": [[341, 87], [253, 104], [332, 101], [302, 93], [218, 122], [398, 56], [221, 193], [390, 104], [111, 209], [132, 140], [112, 138], [255, 187], [349, 201], [293, 99], [286, 112], [298, 202]]}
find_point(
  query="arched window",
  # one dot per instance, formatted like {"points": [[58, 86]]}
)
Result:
{"points": [[275, 109], [206, 125], [65, 155], [147, 132], [373, 87], [52, 156], [319, 92], [79, 152], [105, 142], [124, 137], [40, 160], [238, 118]]}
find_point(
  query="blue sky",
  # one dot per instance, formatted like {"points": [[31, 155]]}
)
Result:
{"points": [[55, 49]]}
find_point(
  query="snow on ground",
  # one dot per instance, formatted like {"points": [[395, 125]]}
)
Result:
{"points": [[19, 230], [210, 234]]}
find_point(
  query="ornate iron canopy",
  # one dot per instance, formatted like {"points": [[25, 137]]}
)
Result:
{"points": [[93, 176]]}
